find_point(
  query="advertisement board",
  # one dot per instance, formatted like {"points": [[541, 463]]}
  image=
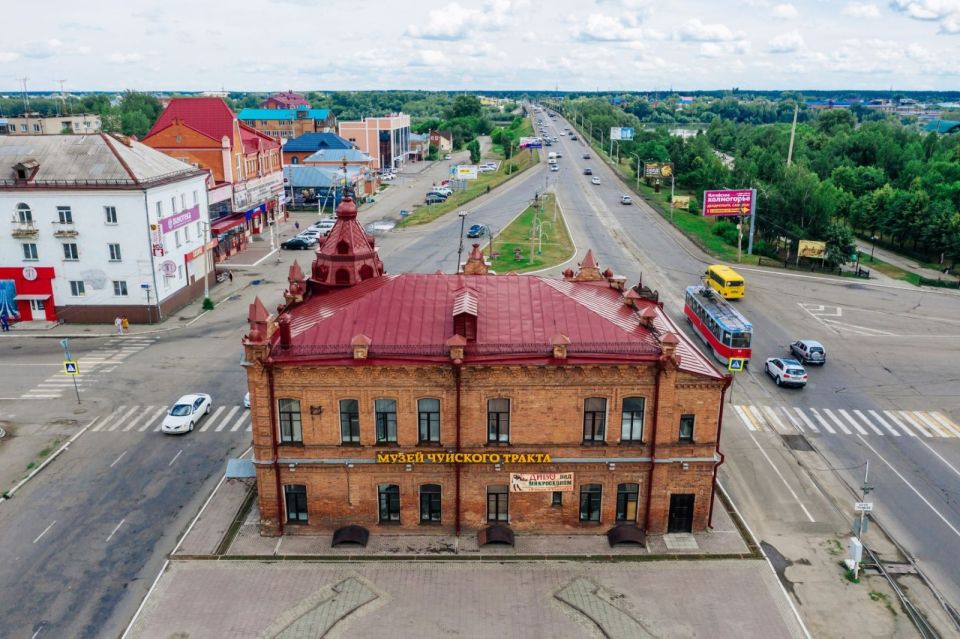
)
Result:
{"points": [[541, 482], [681, 202], [179, 220], [466, 172], [727, 202], [812, 249], [657, 169], [621, 133]]}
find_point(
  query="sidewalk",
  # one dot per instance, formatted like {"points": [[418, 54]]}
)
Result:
{"points": [[903, 262]]}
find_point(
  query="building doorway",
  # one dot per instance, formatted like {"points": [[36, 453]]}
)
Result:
{"points": [[680, 519]]}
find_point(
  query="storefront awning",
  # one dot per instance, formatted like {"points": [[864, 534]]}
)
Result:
{"points": [[224, 224], [30, 298], [240, 469]]}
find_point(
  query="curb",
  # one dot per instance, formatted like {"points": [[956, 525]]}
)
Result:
{"points": [[597, 557]]}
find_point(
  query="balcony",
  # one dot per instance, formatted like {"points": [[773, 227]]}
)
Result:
{"points": [[24, 229], [65, 230]]}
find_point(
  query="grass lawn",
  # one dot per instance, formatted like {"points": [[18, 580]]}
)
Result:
{"points": [[486, 181], [557, 245]]}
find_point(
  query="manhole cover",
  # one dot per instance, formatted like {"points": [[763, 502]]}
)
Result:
{"points": [[796, 442]]}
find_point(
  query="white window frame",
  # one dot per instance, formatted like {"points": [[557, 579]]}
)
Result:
{"points": [[30, 255], [110, 212], [120, 288], [115, 257], [75, 252], [77, 289]]}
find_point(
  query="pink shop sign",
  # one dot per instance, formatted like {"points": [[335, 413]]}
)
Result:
{"points": [[179, 220]]}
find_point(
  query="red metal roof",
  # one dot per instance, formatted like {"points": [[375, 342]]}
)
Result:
{"points": [[518, 317], [254, 141], [210, 116]]}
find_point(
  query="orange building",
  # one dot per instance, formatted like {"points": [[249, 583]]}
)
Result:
{"points": [[245, 187]]}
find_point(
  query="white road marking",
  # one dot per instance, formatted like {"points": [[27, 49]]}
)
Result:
{"points": [[118, 459], [776, 421], [880, 419], [915, 491], [116, 529], [792, 419], [856, 425], [949, 425], [748, 422], [922, 428], [122, 419], [175, 457], [759, 421], [34, 396], [115, 412], [239, 421], [45, 531], [147, 423], [233, 411], [782, 478], [806, 420], [893, 417], [932, 423], [211, 418], [823, 422], [249, 428], [136, 419], [841, 425]]}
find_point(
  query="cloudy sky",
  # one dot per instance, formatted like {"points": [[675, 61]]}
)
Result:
{"points": [[481, 44]]}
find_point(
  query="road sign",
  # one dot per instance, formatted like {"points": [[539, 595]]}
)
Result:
{"points": [[736, 364], [863, 506], [70, 367]]}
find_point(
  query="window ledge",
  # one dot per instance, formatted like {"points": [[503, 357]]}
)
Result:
{"points": [[593, 443], [388, 523], [591, 524], [351, 444], [632, 442], [293, 444], [429, 444], [386, 445], [431, 523]]}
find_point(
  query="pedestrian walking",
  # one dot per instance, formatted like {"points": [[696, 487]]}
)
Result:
{"points": [[296, 225], [118, 322], [5, 322], [230, 275], [124, 324]]}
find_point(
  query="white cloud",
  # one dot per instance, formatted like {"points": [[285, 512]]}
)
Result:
{"points": [[124, 58], [724, 49], [600, 27], [8, 56], [926, 9], [950, 26], [44, 49], [861, 10], [785, 11], [786, 42], [456, 22], [696, 31]]}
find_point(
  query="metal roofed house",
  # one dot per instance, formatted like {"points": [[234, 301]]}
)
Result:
{"points": [[285, 100], [284, 124], [299, 148], [444, 403], [101, 226]]}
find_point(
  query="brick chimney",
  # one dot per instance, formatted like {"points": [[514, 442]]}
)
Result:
{"points": [[668, 344], [647, 315], [298, 284], [457, 344]]}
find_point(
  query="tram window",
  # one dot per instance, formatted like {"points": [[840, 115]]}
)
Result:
{"points": [[741, 340], [726, 338]]}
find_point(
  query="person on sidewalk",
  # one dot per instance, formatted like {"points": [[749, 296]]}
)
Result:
{"points": [[296, 225], [118, 322], [124, 325], [230, 275], [5, 322]]}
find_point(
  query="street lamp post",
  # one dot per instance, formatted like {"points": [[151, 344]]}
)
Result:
{"points": [[639, 167], [463, 219], [873, 246]]}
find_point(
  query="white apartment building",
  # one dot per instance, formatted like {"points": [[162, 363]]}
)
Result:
{"points": [[36, 124], [99, 226]]}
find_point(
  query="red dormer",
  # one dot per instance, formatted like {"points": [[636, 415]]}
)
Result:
{"points": [[347, 254]]}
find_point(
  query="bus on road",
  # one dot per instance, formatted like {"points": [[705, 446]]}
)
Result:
{"points": [[719, 325], [725, 281]]}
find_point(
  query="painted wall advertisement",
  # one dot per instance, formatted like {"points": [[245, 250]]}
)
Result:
{"points": [[541, 482], [812, 249], [727, 202], [531, 143]]}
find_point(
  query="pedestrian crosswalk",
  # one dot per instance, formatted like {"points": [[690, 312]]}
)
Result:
{"points": [[142, 419], [94, 366], [791, 420]]}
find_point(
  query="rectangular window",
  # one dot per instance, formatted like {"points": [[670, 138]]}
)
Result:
{"points": [[186, 234], [430, 503], [70, 252], [428, 411], [65, 215], [627, 498], [110, 213], [36, 305], [686, 428], [173, 205], [183, 201], [557, 498], [30, 251], [176, 237], [386, 416], [114, 252], [36, 128], [288, 411], [498, 503], [296, 498], [498, 420], [120, 288], [195, 200], [76, 288], [159, 209], [590, 495], [389, 495], [631, 419], [349, 421], [594, 419], [200, 232], [180, 272]]}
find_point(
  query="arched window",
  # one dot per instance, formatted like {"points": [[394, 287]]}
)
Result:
{"points": [[343, 276], [24, 214], [294, 160], [343, 247], [366, 272]]}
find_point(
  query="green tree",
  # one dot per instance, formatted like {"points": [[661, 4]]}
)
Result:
{"points": [[840, 243], [474, 147]]}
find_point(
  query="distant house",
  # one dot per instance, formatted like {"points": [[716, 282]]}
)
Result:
{"points": [[285, 124], [942, 126], [36, 124], [300, 148], [419, 146], [443, 140], [285, 100], [819, 105]]}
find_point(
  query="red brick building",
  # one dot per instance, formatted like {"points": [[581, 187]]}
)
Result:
{"points": [[474, 402], [285, 100]]}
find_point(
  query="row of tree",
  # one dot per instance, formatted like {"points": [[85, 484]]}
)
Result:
{"points": [[133, 113]]}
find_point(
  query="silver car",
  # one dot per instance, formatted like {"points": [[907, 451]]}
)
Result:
{"points": [[809, 351]]}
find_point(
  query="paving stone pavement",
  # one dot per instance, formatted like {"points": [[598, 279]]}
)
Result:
{"points": [[599, 606], [319, 618]]}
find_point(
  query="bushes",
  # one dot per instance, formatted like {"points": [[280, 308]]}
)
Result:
{"points": [[726, 231]]}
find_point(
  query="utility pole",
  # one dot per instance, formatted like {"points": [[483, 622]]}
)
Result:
{"points": [[463, 218], [793, 133], [65, 344]]}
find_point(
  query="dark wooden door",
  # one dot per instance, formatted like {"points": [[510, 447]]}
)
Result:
{"points": [[681, 514]]}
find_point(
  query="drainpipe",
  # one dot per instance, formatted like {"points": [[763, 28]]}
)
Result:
{"points": [[653, 444], [716, 469], [457, 382], [276, 447]]}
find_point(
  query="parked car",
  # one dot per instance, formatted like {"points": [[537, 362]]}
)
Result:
{"points": [[246, 400], [554, 167], [311, 235], [186, 412], [586, 156], [809, 351], [573, 138], [297, 244], [323, 225], [445, 190], [786, 372], [588, 171], [477, 230], [626, 199], [387, 177], [447, 156], [594, 180], [435, 198], [442, 194]]}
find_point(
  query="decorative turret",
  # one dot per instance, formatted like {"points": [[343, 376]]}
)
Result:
{"points": [[298, 284], [476, 263], [589, 271], [347, 255]]}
